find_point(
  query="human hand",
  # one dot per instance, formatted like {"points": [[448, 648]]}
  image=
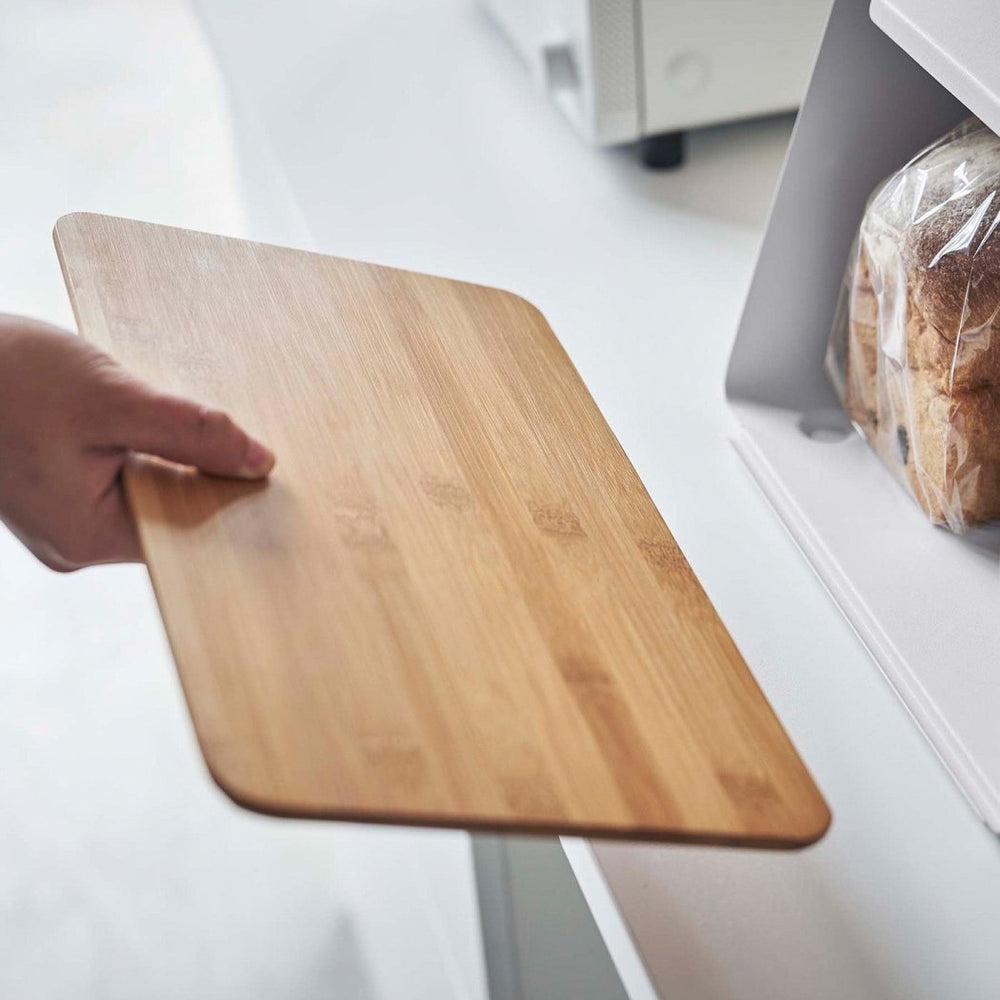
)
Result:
{"points": [[69, 417]]}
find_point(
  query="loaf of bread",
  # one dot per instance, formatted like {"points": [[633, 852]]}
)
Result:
{"points": [[915, 350]]}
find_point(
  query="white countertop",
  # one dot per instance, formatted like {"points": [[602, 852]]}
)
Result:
{"points": [[406, 133]]}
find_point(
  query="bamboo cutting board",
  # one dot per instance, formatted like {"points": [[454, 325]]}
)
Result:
{"points": [[454, 602]]}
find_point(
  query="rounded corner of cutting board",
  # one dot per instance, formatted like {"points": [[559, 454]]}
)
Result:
{"points": [[237, 791], [71, 220], [814, 827]]}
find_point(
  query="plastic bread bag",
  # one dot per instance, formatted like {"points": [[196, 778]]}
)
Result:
{"points": [[915, 348]]}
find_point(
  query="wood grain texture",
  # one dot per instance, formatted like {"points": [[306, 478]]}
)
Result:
{"points": [[454, 602]]}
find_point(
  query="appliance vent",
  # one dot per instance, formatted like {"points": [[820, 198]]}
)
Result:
{"points": [[614, 40]]}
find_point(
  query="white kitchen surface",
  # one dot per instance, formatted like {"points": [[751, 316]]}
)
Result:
{"points": [[407, 133]]}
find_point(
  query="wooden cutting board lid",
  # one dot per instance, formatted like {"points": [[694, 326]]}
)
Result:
{"points": [[454, 603]]}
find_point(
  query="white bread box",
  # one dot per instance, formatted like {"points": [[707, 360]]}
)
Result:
{"points": [[887, 81]]}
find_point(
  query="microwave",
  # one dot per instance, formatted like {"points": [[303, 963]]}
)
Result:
{"points": [[648, 70]]}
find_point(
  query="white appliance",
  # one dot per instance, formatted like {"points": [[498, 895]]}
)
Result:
{"points": [[888, 80], [622, 70]]}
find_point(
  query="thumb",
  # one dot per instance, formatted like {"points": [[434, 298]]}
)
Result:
{"points": [[183, 431]]}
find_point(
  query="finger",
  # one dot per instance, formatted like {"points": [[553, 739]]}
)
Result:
{"points": [[119, 540], [182, 431]]}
